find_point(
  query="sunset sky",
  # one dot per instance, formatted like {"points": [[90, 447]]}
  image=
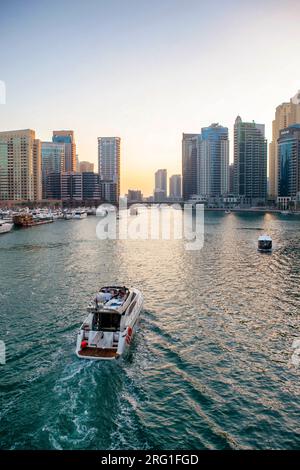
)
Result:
{"points": [[145, 71]]}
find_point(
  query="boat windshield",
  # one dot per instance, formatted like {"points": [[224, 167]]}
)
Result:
{"points": [[106, 321]]}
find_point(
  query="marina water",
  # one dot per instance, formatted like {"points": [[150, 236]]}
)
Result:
{"points": [[210, 366]]}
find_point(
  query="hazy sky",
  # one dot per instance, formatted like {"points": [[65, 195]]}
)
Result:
{"points": [[145, 71]]}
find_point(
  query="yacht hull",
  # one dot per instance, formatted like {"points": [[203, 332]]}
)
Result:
{"points": [[110, 345]]}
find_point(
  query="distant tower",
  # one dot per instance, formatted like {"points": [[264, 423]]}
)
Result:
{"points": [[189, 164], [289, 162], [213, 161], [53, 161], [250, 161], [20, 166], [286, 115], [175, 187], [67, 138], [109, 156]]}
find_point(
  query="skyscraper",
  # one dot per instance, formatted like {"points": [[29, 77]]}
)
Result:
{"points": [[289, 162], [231, 178], [189, 164], [109, 150], [67, 138], [175, 187], [213, 161], [20, 171], [250, 161], [286, 115], [53, 161], [161, 182]]}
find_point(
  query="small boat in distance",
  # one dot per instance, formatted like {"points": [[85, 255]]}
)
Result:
{"points": [[79, 214], [264, 243], [228, 211], [5, 227], [110, 325]]}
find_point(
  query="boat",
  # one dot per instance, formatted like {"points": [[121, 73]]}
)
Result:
{"points": [[26, 220], [228, 211], [5, 227], [107, 331], [79, 214], [285, 212], [68, 215], [264, 243]]}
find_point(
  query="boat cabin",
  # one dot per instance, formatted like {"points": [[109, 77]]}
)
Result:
{"points": [[264, 243]]}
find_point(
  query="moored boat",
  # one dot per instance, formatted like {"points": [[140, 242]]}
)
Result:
{"points": [[111, 323], [265, 243], [26, 220], [5, 227], [79, 214]]}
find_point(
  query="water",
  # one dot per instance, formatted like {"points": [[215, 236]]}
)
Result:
{"points": [[210, 367]]}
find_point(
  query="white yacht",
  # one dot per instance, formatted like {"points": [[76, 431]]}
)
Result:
{"points": [[79, 214], [264, 243], [110, 325], [68, 215], [5, 227]]}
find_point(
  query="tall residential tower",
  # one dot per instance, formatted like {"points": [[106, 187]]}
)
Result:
{"points": [[20, 166], [109, 155], [286, 115], [67, 138], [250, 162]]}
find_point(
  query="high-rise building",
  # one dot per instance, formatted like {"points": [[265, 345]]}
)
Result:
{"points": [[213, 161], [175, 187], [109, 154], [4, 182], [286, 115], [37, 170], [250, 161], [20, 171], [161, 183], [67, 138], [231, 179], [190, 144], [288, 146], [86, 167], [53, 161]]}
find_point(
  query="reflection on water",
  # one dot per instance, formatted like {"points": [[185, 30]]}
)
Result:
{"points": [[210, 366]]}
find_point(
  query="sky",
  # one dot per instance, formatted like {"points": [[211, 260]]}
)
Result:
{"points": [[145, 71]]}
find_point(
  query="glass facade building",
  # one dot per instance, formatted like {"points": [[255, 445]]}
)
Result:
{"points": [[189, 164], [288, 146], [53, 161], [213, 161], [67, 138]]}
